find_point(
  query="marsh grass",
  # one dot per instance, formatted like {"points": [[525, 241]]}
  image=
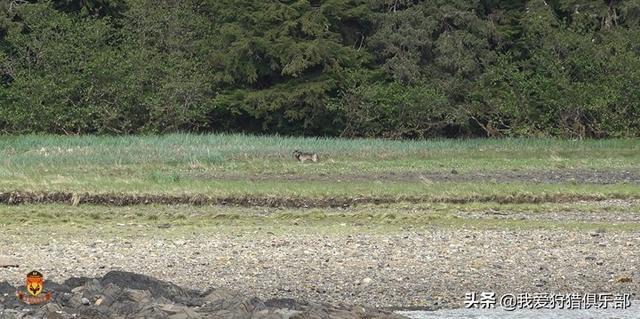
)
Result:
{"points": [[193, 164], [173, 149]]}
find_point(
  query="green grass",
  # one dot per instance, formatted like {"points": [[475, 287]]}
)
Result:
{"points": [[391, 218], [225, 150], [446, 191], [224, 165]]}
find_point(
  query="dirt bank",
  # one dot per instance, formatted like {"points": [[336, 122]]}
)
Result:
{"points": [[21, 197]]}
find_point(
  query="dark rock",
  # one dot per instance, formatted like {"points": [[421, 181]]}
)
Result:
{"points": [[58, 288], [76, 281], [127, 295], [142, 282], [91, 313], [75, 301], [6, 288], [92, 287], [287, 303]]}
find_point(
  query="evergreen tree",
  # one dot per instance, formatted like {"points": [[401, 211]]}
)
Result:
{"points": [[389, 68], [277, 61]]}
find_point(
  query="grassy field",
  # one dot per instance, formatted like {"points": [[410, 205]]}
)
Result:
{"points": [[163, 220], [239, 165]]}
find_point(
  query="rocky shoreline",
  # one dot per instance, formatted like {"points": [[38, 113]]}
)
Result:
{"points": [[128, 295], [428, 269]]}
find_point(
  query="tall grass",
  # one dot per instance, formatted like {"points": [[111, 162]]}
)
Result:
{"points": [[34, 150], [224, 164]]}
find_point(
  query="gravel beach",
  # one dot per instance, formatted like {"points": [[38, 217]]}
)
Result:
{"points": [[427, 268]]}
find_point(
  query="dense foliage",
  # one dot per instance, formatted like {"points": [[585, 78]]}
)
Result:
{"points": [[390, 68]]}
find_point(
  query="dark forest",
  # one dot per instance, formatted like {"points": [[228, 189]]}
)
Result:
{"points": [[352, 68]]}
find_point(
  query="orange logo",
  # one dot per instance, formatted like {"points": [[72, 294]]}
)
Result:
{"points": [[35, 283], [35, 286]]}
